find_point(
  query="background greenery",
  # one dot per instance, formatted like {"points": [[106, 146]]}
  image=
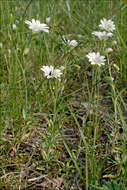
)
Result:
{"points": [[68, 134]]}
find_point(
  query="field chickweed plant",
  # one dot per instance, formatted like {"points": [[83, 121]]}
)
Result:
{"points": [[63, 81]]}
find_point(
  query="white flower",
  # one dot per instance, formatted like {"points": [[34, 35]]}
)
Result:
{"points": [[62, 68], [108, 50], [48, 19], [107, 25], [102, 35], [96, 58], [50, 72], [57, 73], [36, 26], [73, 43], [114, 42], [14, 26]]}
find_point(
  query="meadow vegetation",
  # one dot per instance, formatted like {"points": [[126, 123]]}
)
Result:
{"points": [[63, 95]]}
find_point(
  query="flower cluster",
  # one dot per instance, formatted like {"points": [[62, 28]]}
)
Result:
{"points": [[36, 26], [106, 29], [51, 72], [107, 26]]}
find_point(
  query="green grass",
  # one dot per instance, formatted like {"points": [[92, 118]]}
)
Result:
{"points": [[69, 133]]}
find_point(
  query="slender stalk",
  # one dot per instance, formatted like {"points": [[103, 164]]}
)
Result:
{"points": [[87, 178]]}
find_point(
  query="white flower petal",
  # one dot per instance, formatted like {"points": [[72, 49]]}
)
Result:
{"points": [[28, 22]]}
